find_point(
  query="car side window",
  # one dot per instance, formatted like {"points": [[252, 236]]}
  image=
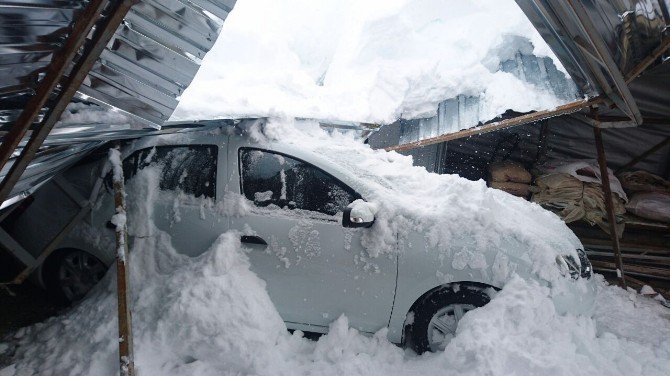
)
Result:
{"points": [[269, 178], [189, 168]]}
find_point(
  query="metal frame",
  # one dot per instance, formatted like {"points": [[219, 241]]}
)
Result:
{"points": [[103, 33], [644, 64], [26, 258], [55, 71], [601, 55]]}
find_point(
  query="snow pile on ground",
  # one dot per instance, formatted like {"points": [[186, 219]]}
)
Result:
{"points": [[212, 316], [368, 61]]}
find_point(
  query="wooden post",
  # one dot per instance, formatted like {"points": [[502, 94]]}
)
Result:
{"points": [[609, 204], [126, 354]]}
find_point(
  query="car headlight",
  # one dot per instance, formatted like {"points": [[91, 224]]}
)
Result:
{"points": [[568, 265]]}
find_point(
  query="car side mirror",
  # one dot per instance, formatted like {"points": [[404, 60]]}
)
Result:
{"points": [[359, 214]]}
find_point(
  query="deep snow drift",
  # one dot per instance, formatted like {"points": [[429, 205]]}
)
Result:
{"points": [[368, 61], [211, 315]]}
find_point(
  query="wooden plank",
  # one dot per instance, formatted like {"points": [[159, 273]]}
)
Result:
{"points": [[645, 270], [644, 155], [626, 247], [630, 257], [16, 249], [637, 284], [646, 62], [507, 123], [53, 244], [126, 353], [611, 217]]}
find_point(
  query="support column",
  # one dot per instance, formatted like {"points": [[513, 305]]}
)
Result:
{"points": [[607, 190], [126, 354]]}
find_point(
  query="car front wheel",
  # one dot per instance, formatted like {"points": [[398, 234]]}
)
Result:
{"points": [[72, 274], [433, 321]]}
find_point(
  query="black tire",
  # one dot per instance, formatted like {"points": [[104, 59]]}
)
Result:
{"points": [[416, 331], [92, 271]]}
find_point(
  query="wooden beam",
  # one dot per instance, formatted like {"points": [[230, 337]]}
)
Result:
{"points": [[103, 33], [523, 119], [647, 271], [54, 72], [126, 353], [646, 62], [644, 155], [646, 120], [609, 204]]}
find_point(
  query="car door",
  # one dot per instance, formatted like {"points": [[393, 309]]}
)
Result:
{"points": [[314, 268], [184, 196]]}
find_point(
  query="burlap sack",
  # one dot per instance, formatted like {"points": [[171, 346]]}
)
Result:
{"points": [[516, 189], [508, 171]]}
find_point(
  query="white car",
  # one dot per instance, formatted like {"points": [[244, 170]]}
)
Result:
{"points": [[322, 232]]}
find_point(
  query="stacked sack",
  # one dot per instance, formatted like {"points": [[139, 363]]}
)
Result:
{"points": [[510, 177], [573, 188], [650, 195]]}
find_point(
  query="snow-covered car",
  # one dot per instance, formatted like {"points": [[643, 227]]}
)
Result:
{"points": [[332, 226]]}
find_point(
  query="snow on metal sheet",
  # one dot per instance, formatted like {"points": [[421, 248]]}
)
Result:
{"points": [[462, 111]]}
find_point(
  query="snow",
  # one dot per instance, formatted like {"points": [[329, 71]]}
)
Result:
{"points": [[78, 115], [647, 290], [115, 160], [210, 315], [368, 61], [458, 217]]}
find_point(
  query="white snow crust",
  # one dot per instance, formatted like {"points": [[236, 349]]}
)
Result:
{"points": [[368, 61], [211, 315]]}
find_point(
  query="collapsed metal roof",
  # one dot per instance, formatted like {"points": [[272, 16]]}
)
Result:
{"points": [[606, 45], [615, 52], [136, 59]]}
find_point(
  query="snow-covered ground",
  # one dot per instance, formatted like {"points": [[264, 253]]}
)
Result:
{"points": [[368, 61], [211, 315]]}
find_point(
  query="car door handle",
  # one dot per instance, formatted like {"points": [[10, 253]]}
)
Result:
{"points": [[252, 239]]}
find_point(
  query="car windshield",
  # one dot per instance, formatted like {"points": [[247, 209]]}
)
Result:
{"points": [[365, 180]]}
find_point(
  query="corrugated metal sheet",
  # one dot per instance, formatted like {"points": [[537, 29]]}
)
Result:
{"points": [[464, 112], [145, 67], [599, 42]]}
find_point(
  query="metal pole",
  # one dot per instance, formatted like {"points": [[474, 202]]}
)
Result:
{"points": [[607, 190], [126, 354]]}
